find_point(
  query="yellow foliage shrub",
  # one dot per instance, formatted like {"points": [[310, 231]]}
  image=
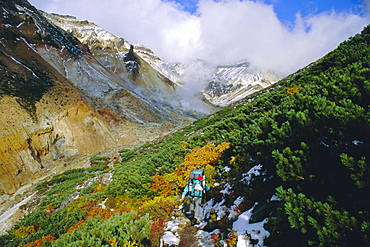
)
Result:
{"points": [[200, 158], [100, 188], [185, 145], [49, 208], [232, 239], [131, 244], [293, 90], [24, 231], [126, 204], [159, 207]]}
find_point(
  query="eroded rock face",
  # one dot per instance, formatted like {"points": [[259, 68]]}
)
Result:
{"points": [[28, 147], [43, 116]]}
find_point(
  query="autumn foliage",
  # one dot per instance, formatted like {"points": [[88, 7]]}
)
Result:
{"points": [[200, 158], [40, 242], [24, 231]]}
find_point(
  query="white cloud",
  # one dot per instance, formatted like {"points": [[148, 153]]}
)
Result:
{"points": [[222, 31]]}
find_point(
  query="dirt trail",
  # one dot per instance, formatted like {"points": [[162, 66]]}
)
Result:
{"points": [[188, 237]]}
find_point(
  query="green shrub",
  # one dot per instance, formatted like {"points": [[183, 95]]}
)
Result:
{"points": [[117, 230], [97, 157], [127, 156], [98, 167]]}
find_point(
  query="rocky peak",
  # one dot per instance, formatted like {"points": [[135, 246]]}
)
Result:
{"points": [[130, 56], [132, 63]]}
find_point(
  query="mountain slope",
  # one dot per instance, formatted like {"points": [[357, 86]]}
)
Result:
{"points": [[43, 115], [59, 100], [223, 86], [234, 82], [308, 136], [142, 73]]}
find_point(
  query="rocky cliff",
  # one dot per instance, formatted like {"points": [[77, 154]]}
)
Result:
{"points": [[43, 117]]}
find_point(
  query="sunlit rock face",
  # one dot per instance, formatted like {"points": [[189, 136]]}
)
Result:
{"points": [[43, 117]]}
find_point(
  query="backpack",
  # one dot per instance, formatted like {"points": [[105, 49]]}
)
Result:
{"points": [[197, 186], [197, 183]]}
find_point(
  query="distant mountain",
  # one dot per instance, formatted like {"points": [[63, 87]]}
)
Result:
{"points": [[143, 74], [234, 82], [220, 85]]}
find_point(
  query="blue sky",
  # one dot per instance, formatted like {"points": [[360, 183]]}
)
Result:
{"points": [[287, 9], [275, 35]]}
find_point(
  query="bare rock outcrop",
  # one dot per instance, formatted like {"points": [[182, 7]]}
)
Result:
{"points": [[28, 147]]}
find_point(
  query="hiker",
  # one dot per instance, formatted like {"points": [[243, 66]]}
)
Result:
{"points": [[195, 190]]}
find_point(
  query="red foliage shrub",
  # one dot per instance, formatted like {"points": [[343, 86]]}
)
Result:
{"points": [[156, 231]]}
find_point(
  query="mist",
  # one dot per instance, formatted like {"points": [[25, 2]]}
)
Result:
{"points": [[220, 32]]}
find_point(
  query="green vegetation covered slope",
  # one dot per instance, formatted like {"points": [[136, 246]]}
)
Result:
{"points": [[310, 132]]}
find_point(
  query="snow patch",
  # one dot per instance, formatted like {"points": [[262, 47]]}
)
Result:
{"points": [[249, 234], [253, 172], [170, 236], [275, 198], [227, 190], [227, 169]]}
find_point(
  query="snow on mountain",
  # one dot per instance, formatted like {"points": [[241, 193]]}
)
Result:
{"points": [[231, 83], [154, 80], [220, 86]]}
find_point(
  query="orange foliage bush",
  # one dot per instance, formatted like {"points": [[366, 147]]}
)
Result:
{"points": [[164, 185], [90, 205], [75, 226], [40, 242], [157, 231], [104, 213]]}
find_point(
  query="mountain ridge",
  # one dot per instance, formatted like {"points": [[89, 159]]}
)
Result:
{"points": [[177, 74]]}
